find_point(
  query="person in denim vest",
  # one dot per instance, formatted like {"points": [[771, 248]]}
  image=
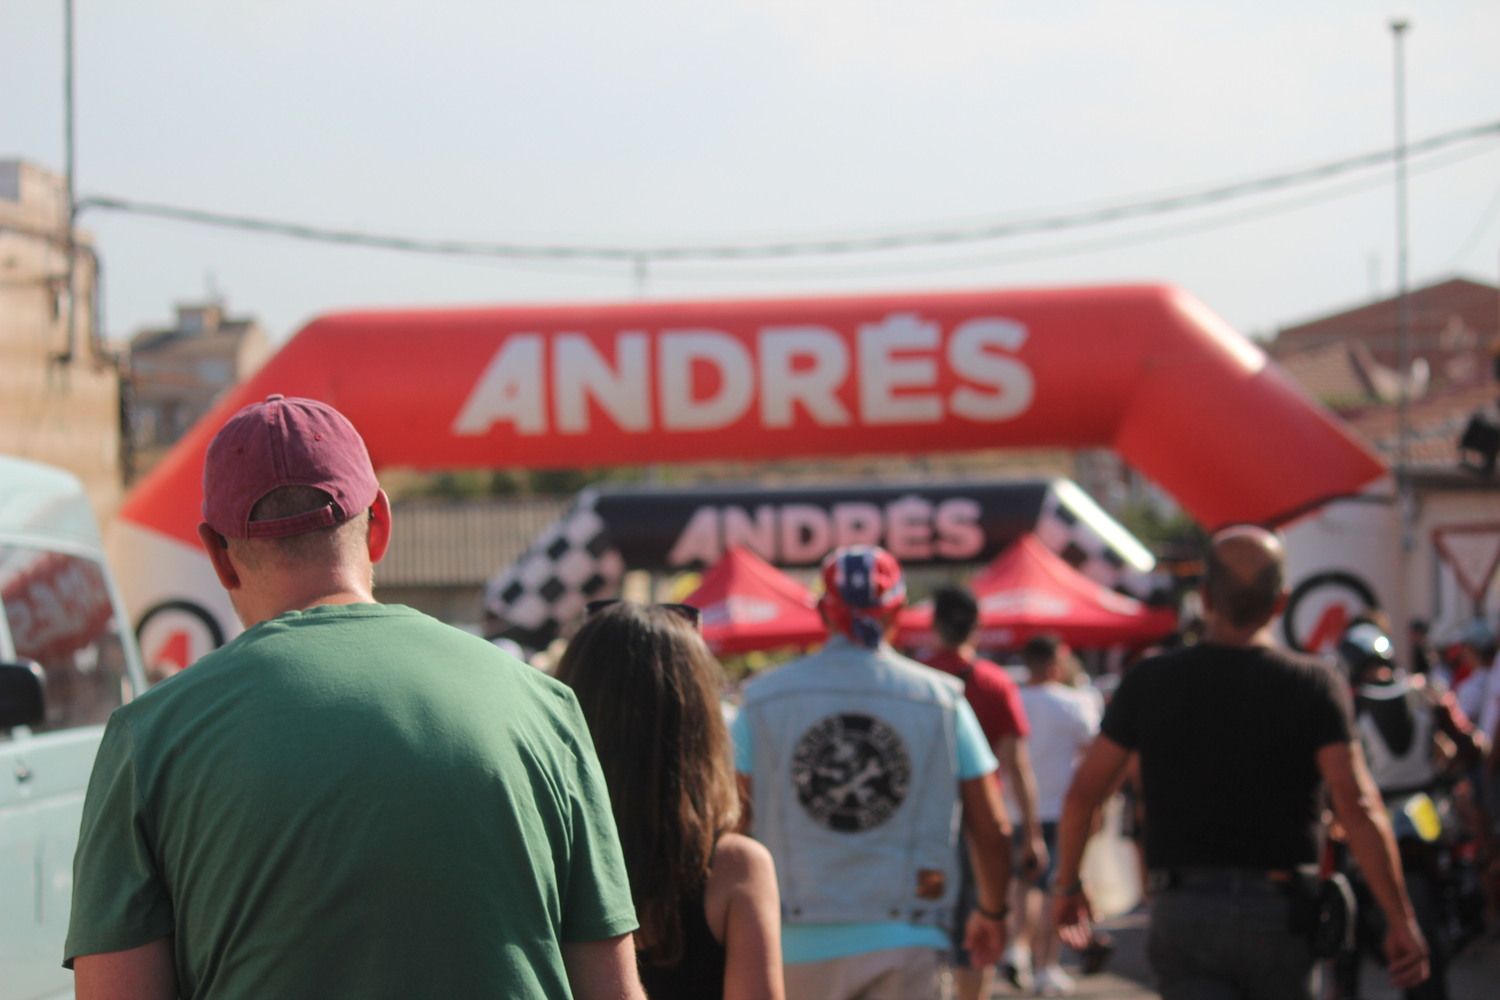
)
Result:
{"points": [[858, 767]]}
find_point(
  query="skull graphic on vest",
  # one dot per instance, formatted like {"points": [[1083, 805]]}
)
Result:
{"points": [[851, 772]]}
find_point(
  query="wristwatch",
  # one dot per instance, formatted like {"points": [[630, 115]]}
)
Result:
{"points": [[1070, 890]]}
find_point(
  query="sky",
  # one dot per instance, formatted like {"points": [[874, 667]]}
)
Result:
{"points": [[737, 121]]}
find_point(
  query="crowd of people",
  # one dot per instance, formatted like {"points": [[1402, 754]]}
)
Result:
{"points": [[352, 799]]}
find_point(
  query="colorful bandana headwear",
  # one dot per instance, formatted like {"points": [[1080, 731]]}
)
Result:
{"points": [[862, 591]]}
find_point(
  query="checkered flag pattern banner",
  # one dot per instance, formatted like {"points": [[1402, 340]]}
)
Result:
{"points": [[547, 588], [1089, 540]]}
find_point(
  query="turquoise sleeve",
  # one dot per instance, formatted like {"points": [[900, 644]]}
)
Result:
{"points": [[975, 758], [744, 750]]}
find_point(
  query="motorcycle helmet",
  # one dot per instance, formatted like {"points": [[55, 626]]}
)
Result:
{"points": [[1362, 648]]}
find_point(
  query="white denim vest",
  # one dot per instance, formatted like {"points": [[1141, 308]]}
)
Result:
{"points": [[856, 785], [1413, 769]]}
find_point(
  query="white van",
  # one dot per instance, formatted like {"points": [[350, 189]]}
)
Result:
{"points": [[67, 659]]}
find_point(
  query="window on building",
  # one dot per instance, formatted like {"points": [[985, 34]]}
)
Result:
{"points": [[215, 371]]}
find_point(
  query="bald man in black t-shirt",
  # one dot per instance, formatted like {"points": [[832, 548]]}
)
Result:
{"points": [[1236, 739]]}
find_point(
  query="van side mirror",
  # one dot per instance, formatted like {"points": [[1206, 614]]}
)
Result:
{"points": [[21, 701]]}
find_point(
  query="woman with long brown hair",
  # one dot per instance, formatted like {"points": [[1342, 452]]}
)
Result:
{"points": [[705, 897]]}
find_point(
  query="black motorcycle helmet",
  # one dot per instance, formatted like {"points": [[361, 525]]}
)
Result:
{"points": [[1364, 647]]}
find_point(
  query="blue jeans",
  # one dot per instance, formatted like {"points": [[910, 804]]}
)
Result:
{"points": [[1228, 944]]}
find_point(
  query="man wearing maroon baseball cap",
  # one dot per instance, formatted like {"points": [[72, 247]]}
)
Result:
{"points": [[278, 479], [857, 764], [350, 798]]}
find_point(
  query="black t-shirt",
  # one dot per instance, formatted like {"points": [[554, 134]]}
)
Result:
{"points": [[1228, 739]]}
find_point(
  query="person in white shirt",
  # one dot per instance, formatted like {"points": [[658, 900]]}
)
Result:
{"points": [[1488, 720], [1064, 720]]}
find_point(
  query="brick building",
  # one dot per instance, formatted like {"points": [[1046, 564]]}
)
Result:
{"points": [[59, 389], [178, 372], [1349, 361]]}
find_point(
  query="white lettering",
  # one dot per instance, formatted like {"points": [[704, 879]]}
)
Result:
{"points": [[856, 524], [815, 387], [706, 380], [881, 373], [758, 535], [908, 533], [699, 541], [509, 391], [679, 350], [959, 535], [581, 373], [970, 356], [804, 533]]}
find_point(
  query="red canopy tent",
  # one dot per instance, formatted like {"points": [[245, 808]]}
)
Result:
{"points": [[748, 604], [1028, 590]]}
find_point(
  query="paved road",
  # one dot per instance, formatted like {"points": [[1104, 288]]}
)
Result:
{"points": [[1475, 975]]}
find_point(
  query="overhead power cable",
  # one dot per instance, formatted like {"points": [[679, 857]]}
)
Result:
{"points": [[1076, 246], [1486, 218], [929, 237]]}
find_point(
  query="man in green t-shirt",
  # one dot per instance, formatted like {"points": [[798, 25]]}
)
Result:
{"points": [[349, 799]]}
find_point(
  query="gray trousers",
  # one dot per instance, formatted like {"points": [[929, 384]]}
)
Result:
{"points": [[1228, 945]]}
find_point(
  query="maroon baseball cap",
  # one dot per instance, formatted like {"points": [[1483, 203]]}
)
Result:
{"points": [[285, 441]]}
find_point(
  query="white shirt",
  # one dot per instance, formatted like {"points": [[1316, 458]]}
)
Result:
{"points": [[1470, 694], [1489, 714], [1063, 722]]}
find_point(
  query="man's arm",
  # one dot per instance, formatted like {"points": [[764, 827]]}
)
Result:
{"points": [[1470, 745], [144, 973], [1098, 773], [988, 829], [1015, 757], [1357, 804], [603, 970], [1494, 741]]}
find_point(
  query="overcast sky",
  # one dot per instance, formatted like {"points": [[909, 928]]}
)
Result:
{"points": [[637, 123]]}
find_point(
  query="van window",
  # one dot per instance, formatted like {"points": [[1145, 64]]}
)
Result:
{"points": [[59, 614]]}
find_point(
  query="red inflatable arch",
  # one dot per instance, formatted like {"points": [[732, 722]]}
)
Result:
{"points": [[1146, 370]]}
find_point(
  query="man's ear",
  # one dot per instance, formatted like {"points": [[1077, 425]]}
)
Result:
{"points": [[217, 547], [380, 526], [1280, 604]]}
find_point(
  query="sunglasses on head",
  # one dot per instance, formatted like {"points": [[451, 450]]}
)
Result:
{"points": [[686, 612]]}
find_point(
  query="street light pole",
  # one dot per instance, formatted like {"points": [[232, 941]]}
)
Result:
{"points": [[1399, 27], [70, 265], [1404, 599]]}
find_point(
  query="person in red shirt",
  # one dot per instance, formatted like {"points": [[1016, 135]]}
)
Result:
{"points": [[996, 700]]}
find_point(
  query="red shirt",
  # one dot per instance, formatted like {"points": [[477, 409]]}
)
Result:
{"points": [[995, 698]]}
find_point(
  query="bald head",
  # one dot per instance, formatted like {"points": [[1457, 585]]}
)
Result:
{"points": [[1243, 577]]}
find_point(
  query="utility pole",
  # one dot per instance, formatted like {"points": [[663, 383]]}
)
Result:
{"points": [[1403, 303], [70, 266], [1405, 496], [641, 271]]}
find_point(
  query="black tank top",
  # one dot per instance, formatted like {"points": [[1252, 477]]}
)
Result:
{"points": [[700, 974]]}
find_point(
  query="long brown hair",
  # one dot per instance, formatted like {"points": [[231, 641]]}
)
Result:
{"points": [[649, 689]]}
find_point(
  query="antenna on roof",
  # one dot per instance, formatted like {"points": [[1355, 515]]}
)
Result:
{"points": [[211, 291]]}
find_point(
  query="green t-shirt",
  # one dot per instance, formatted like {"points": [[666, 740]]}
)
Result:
{"points": [[351, 801]]}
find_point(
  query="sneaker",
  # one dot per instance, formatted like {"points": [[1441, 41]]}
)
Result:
{"points": [[1052, 981], [1015, 967], [1096, 955]]}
